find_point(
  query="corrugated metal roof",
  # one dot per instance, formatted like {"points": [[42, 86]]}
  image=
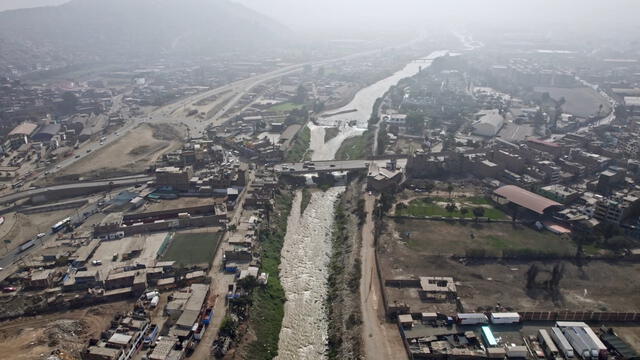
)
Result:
{"points": [[526, 199], [24, 129]]}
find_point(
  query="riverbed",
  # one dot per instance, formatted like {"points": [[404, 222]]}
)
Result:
{"points": [[307, 245]]}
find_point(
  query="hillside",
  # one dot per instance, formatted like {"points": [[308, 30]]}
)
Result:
{"points": [[98, 30]]}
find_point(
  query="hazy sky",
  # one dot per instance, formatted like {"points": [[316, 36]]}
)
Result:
{"points": [[18, 4], [337, 16], [368, 14]]}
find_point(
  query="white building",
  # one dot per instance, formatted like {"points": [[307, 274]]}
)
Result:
{"points": [[488, 123], [395, 119]]}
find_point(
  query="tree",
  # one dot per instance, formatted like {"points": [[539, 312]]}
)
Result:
{"points": [[464, 211], [429, 186], [415, 123], [478, 212], [451, 207], [609, 230], [301, 95], [68, 103], [450, 189], [620, 242], [620, 112]]}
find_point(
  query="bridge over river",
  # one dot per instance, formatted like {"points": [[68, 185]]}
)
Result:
{"points": [[309, 167]]}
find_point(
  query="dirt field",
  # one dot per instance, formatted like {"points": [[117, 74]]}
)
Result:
{"points": [[582, 102], [454, 238], [37, 337], [131, 154], [598, 286], [19, 228], [630, 334], [192, 248]]}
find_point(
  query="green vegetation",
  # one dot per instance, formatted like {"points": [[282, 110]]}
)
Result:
{"points": [[306, 198], [285, 107], [482, 239], [299, 151], [435, 207], [330, 133], [358, 147], [343, 280], [192, 248], [267, 310]]}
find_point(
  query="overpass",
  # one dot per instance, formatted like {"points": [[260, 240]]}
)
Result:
{"points": [[309, 167], [75, 189]]}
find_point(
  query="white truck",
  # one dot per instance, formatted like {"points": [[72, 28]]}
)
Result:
{"points": [[472, 318], [505, 318]]}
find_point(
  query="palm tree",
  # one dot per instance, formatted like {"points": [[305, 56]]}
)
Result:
{"points": [[450, 190]]}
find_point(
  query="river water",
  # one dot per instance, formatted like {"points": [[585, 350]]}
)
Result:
{"points": [[307, 244]]}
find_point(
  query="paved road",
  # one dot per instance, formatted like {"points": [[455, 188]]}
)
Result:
{"points": [[8, 261], [321, 166], [220, 284], [79, 185], [381, 339]]}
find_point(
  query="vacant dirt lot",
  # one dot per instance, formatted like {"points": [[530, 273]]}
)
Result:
{"points": [[582, 101], [36, 337], [427, 237], [131, 154], [598, 285]]}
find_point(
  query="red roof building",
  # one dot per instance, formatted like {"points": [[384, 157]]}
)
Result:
{"points": [[526, 199]]}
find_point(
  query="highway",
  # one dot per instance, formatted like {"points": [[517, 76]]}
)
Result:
{"points": [[9, 262], [79, 185]]}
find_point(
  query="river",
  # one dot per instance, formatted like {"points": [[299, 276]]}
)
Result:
{"points": [[307, 244]]}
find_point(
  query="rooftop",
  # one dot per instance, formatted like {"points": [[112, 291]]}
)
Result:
{"points": [[526, 199], [24, 129]]}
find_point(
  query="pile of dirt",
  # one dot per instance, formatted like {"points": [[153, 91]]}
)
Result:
{"points": [[66, 334], [140, 150]]}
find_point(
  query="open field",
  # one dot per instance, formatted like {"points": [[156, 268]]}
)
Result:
{"points": [[582, 101], [430, 206], [454, 238], [192, 248], [597, 286], [131, 154], [284, 107], [29, 338]]}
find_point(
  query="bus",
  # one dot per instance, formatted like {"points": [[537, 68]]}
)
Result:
{"points": [[60, 225]]}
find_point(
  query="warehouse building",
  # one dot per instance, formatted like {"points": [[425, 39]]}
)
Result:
{"points": [[488, 123], [530, 202]]}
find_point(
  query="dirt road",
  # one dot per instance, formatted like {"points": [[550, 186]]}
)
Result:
{"points": [[220, 282], [381, 339]]}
